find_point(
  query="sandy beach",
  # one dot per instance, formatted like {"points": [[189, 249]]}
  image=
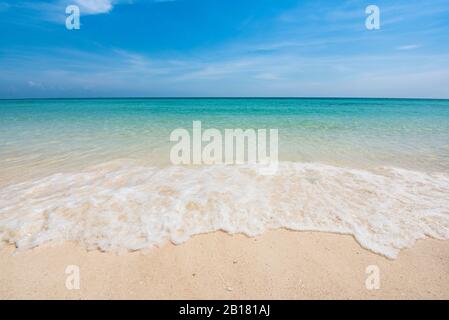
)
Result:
{"points": [[277, 265]]}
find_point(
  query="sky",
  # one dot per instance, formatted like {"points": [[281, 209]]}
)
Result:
{"points": [[224, 48]]}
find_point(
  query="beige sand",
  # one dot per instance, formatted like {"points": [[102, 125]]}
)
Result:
{"points": [[278, 265]]}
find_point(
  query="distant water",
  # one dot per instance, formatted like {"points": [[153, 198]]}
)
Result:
{"points": [[98, 171]]}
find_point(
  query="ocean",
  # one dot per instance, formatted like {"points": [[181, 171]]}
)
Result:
{"points": [[98, 171]]}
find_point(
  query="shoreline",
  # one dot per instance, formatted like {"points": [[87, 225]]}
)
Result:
{"points": [[279, 264]]}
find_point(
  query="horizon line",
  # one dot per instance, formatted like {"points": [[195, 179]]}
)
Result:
{"points": [[218, 97]]}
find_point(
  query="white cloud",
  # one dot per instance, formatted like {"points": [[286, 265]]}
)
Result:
{"points": [[95, 6], [408, 47], [91, 7], [54, 11]]}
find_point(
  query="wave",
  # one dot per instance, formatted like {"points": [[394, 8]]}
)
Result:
{"points": [[126, 206]]}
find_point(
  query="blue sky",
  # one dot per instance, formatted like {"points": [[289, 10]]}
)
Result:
{"points": [[224, 48]]}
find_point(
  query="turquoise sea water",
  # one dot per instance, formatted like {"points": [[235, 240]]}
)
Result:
{"points": [[98, 171], [52, 135]]}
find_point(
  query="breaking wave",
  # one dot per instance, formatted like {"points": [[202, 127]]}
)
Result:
{"points": [[126, 206]]}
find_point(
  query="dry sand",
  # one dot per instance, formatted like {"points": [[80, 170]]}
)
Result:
{"points": [[278, 265]]}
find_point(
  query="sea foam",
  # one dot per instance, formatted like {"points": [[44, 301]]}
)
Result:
{"points": [[126, 206]]}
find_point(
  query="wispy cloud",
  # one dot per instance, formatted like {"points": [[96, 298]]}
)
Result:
{"points": [[408, 47], [95, 6], [126, 73], [54, 11]]}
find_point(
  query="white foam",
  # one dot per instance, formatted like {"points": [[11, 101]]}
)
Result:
{"points": [[123, 205]]}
